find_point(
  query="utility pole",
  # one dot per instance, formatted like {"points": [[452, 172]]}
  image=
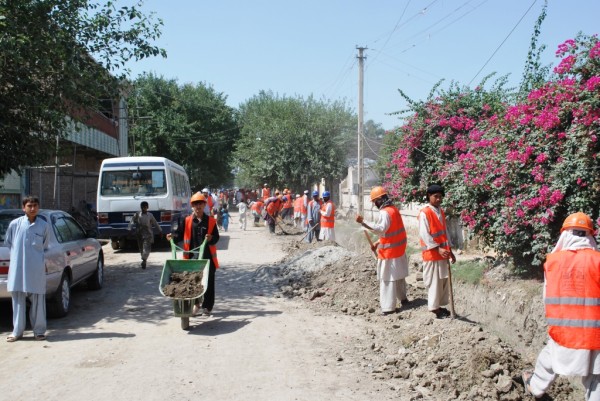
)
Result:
{"points": [[360, 158]]}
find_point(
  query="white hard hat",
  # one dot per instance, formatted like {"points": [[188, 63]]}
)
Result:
{"points": [[205, 190]]}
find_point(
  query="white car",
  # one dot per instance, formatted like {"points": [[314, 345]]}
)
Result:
{"points": [[72, 257]]}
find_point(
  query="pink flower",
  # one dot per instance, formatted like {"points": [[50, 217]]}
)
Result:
{"points": [[592, 83], [595, 51], [556, 197], [542, 157], [565, 47], [565, 65]]}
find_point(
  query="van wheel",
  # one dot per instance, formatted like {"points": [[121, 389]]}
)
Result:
{"points": [[60, 302], [115, 244]]}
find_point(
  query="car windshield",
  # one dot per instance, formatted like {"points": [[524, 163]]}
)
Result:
{"points": [[5, 219], [133, 183]]}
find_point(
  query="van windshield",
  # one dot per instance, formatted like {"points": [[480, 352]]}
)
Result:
{"points": [[133, 183]]}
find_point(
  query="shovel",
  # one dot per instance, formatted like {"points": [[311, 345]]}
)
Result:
{"points": [[309, 231], [452, 314], [370, 243]]}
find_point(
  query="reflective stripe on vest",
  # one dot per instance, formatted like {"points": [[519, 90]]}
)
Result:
{"points": [[328, 221], [437, 230], [187, 239], [392, 244], [572, 298]]}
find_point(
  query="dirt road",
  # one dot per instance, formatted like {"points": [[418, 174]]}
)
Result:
{"points": [[123, 342]]}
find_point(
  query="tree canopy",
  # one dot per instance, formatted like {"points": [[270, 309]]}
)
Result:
{"points": [[291, 141], [58, 58], [189, 124]]}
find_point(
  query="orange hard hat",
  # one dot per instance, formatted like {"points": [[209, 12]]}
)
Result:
{"points": [[377, 192], [197, 197], [578, 220]]}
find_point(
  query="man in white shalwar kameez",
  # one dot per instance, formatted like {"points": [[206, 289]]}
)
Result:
{"points": [[327, 232], [573, 348], [392, 263], [27, 237], [435, 249]]}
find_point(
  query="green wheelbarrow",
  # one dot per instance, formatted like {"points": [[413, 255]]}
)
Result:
{"points": [[183, 307]]}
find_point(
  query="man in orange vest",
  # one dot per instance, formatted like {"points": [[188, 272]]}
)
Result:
{"points": [[298, 204], [327, 232], [266, 192], [287, 209], [273, 206], [392, 264], [435, 249], [572, 296], [194, 229], [257, 211]]}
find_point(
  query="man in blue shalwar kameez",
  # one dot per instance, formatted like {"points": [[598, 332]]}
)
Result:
{"points": [[27, 238]]}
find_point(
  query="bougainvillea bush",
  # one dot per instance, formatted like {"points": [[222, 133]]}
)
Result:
{"points": [[512, 171]]}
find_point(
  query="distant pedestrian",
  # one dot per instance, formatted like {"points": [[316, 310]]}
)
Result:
{"points": [[144, 224], [298, 211], [436, 251], [571, 296], [257, 208], [27, 238], [327, 232], [273, 206], [242, 209], [225, 219], [314, 217]]}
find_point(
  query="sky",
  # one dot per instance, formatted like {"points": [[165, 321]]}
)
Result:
{"points": [[309, 47]]}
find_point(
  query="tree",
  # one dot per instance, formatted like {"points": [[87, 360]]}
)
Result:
{"points": [[189, 124], [56, 61], [291, 142]]}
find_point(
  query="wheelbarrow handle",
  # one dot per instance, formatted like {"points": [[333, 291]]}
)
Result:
{"points": [[175, 248]]}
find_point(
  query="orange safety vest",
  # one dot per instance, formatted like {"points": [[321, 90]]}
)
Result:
{"points": [[573, 298], [257, 206], [303, 205], [392, 244], [266, 193], [298, 204], [274, 206], [437, 230], [328, 222], [288, 202], [187, 239]]}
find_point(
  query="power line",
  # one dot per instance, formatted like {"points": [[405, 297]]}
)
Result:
{"points": [[505, 39]]}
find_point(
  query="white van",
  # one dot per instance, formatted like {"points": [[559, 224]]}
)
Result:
{"points": [[125, 182]]}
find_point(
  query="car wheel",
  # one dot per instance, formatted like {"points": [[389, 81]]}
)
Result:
{"points": [[96, 280], [115, 244], [61, 300]]}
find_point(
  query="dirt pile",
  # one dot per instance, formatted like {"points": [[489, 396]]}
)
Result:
{"points": [[421, 357], [186, 284]]}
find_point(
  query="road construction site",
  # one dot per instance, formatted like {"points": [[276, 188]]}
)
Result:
{"points": [[292, 321]]}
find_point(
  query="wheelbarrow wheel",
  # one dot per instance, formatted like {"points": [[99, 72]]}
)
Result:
{"points": [[185, 323]]}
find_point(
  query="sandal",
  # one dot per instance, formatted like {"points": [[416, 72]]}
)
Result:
{"points": [[12, 339], [40, 337]]}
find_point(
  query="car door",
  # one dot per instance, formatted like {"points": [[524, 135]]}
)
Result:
{"points": [[87, 261], [69, 245]]}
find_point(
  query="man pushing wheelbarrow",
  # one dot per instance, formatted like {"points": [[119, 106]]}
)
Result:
{"points": [[194, 229]]}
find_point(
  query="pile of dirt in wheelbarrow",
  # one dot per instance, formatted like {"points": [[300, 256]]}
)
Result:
{"points": [[186, 284]]}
